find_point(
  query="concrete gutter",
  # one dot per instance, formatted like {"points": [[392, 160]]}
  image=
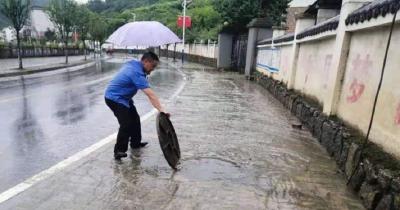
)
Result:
{"points": [[33, 70]]}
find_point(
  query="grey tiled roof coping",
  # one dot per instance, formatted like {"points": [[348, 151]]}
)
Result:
{"points": [[374, 9], [328, 25]]}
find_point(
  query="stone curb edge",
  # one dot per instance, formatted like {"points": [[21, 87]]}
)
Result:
{"points": [[377, 184]]}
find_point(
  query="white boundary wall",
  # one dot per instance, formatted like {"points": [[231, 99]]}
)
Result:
{"points": [[208, 50], [341, 70]]}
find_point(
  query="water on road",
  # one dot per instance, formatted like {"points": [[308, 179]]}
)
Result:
{"points": [[239, 151], [48, 117]]}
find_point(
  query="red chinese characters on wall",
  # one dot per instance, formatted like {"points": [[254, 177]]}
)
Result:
{"points": [[356, 90], [359, 74]]}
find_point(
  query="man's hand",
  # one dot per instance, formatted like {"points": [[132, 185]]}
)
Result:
{"points": [[168, 114]]}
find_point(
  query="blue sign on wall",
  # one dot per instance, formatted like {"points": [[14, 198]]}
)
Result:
{"points": [[269, 59]]}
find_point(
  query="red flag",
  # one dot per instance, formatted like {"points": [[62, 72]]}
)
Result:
{"points": [[188, 22]]}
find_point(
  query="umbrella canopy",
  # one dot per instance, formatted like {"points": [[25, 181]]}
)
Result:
{"points": [[143, 33]]}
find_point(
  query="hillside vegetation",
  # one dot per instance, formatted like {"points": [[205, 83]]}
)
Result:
{"points": [[208, 16], [206, 22]]}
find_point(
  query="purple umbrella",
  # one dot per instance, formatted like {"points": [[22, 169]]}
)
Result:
{"points": [[143, 33]]}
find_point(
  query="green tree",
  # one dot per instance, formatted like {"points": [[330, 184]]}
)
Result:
{"points": [[114, 24], [50, 35], [100, 6], [206, 21], [96, 5], [238, 13], [98, 29], [3, 21], [17, 11], [63, 13], [82, 21], [275, 9]]}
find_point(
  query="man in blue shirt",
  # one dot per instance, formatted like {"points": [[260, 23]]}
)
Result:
{"points": [[118, 97]]}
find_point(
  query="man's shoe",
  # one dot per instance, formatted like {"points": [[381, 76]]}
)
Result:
{"points": [[119, 155], [137, 146]]}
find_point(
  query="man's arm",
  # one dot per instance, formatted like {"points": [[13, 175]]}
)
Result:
{"points": [[153, 99]]}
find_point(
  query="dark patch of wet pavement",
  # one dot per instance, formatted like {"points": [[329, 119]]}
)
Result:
{"points": [[239, 151]]}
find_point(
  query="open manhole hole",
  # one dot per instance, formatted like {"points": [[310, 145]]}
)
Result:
{"points": [[208, 169]]}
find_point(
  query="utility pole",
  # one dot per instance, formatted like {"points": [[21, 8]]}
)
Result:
{"points": [[183, 29]]}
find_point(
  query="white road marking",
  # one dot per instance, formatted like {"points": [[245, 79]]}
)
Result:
{"points": [[21, 187]]}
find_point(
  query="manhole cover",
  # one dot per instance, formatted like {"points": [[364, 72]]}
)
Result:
{"points": [[168, 140]]}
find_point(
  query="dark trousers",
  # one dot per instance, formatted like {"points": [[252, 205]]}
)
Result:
{"points": [[129, 125]]}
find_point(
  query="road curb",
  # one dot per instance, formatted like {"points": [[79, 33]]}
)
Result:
{"points": [[39, 70]]}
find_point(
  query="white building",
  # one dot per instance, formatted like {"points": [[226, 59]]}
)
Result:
{"points": [[40, 22], [2, 36], [296, 7], [8, 34]]}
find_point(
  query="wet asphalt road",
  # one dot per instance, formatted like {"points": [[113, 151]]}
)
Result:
{"points": [[48, 117]]}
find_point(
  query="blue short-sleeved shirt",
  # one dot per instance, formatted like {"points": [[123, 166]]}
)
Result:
{"points": [[127, 82]]}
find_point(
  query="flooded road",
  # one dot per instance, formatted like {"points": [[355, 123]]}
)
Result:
{"points": [[239, 151]]}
